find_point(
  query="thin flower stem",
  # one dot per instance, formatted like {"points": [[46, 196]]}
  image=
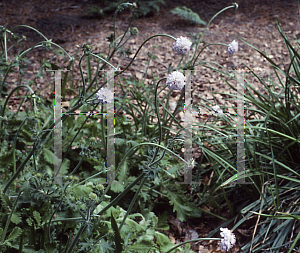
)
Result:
{"points": [[234, 5], [9, 218], [97, 56], [158, 118], [10, 94], [103, 128], [5, 45], [195, 240], [151, 37], [133, 202]]}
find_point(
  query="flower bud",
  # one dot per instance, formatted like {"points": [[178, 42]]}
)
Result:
{"points": [[100, 187], [93, 196], [134, 31]]}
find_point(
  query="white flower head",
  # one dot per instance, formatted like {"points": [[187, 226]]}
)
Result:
{"points": [[217, 111], [233, 47], [105, 95], [182, 45], [228, 239], [176, 81], [173, 106]]}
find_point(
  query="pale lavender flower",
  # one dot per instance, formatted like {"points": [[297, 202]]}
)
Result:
{"points": [[217, 111], [176, 81], [182, 45], [228, 239], [105, 96], [233, 47]]}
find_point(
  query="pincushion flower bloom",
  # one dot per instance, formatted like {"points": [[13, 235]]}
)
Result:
{"points": [[233, 47], [182, 45], [176, 81], [228, 239], [105, 95], [217, 111]]}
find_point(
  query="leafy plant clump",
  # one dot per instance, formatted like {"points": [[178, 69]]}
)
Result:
{"points": [[143, 8], [121, 170], [188, 15]]}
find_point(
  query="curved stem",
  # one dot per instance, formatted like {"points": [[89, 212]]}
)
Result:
{"points": [[133, 201], [27, 26], [195, 240], [234, 5], [81, 73], [97, 56], [222, 44], [10, 94], [151, 37], [9, 218], [5, 45], [158, 118]]}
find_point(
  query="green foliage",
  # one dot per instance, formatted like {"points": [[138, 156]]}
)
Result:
{"points": [[143, 8], [14, 234], [95, 11], [84, 213], [188, 15]]}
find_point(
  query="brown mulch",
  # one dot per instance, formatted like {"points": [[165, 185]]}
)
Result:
{"points": [[69, 26]]}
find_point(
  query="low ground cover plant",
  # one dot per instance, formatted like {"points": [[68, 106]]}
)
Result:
{"points": [[83, 211]]}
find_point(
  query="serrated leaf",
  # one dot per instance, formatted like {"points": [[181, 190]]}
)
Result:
{"points": [[188, 15], [29, 249], [29, 221], [123, 172], [50, 247], [65, 166], [49, 156], [162, 221], [15, 218], [26, 190], [37, 217], [80, 191], [14, 234], [134, 226], [5, 200], [105, 246], [117, 187], [163, 241], [179, 206]]}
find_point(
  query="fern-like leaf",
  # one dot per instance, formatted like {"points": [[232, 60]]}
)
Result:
{"points": [[5, 200], [15, 233], [37, 217], [188, 15], [15, 218], [29, 221]]}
